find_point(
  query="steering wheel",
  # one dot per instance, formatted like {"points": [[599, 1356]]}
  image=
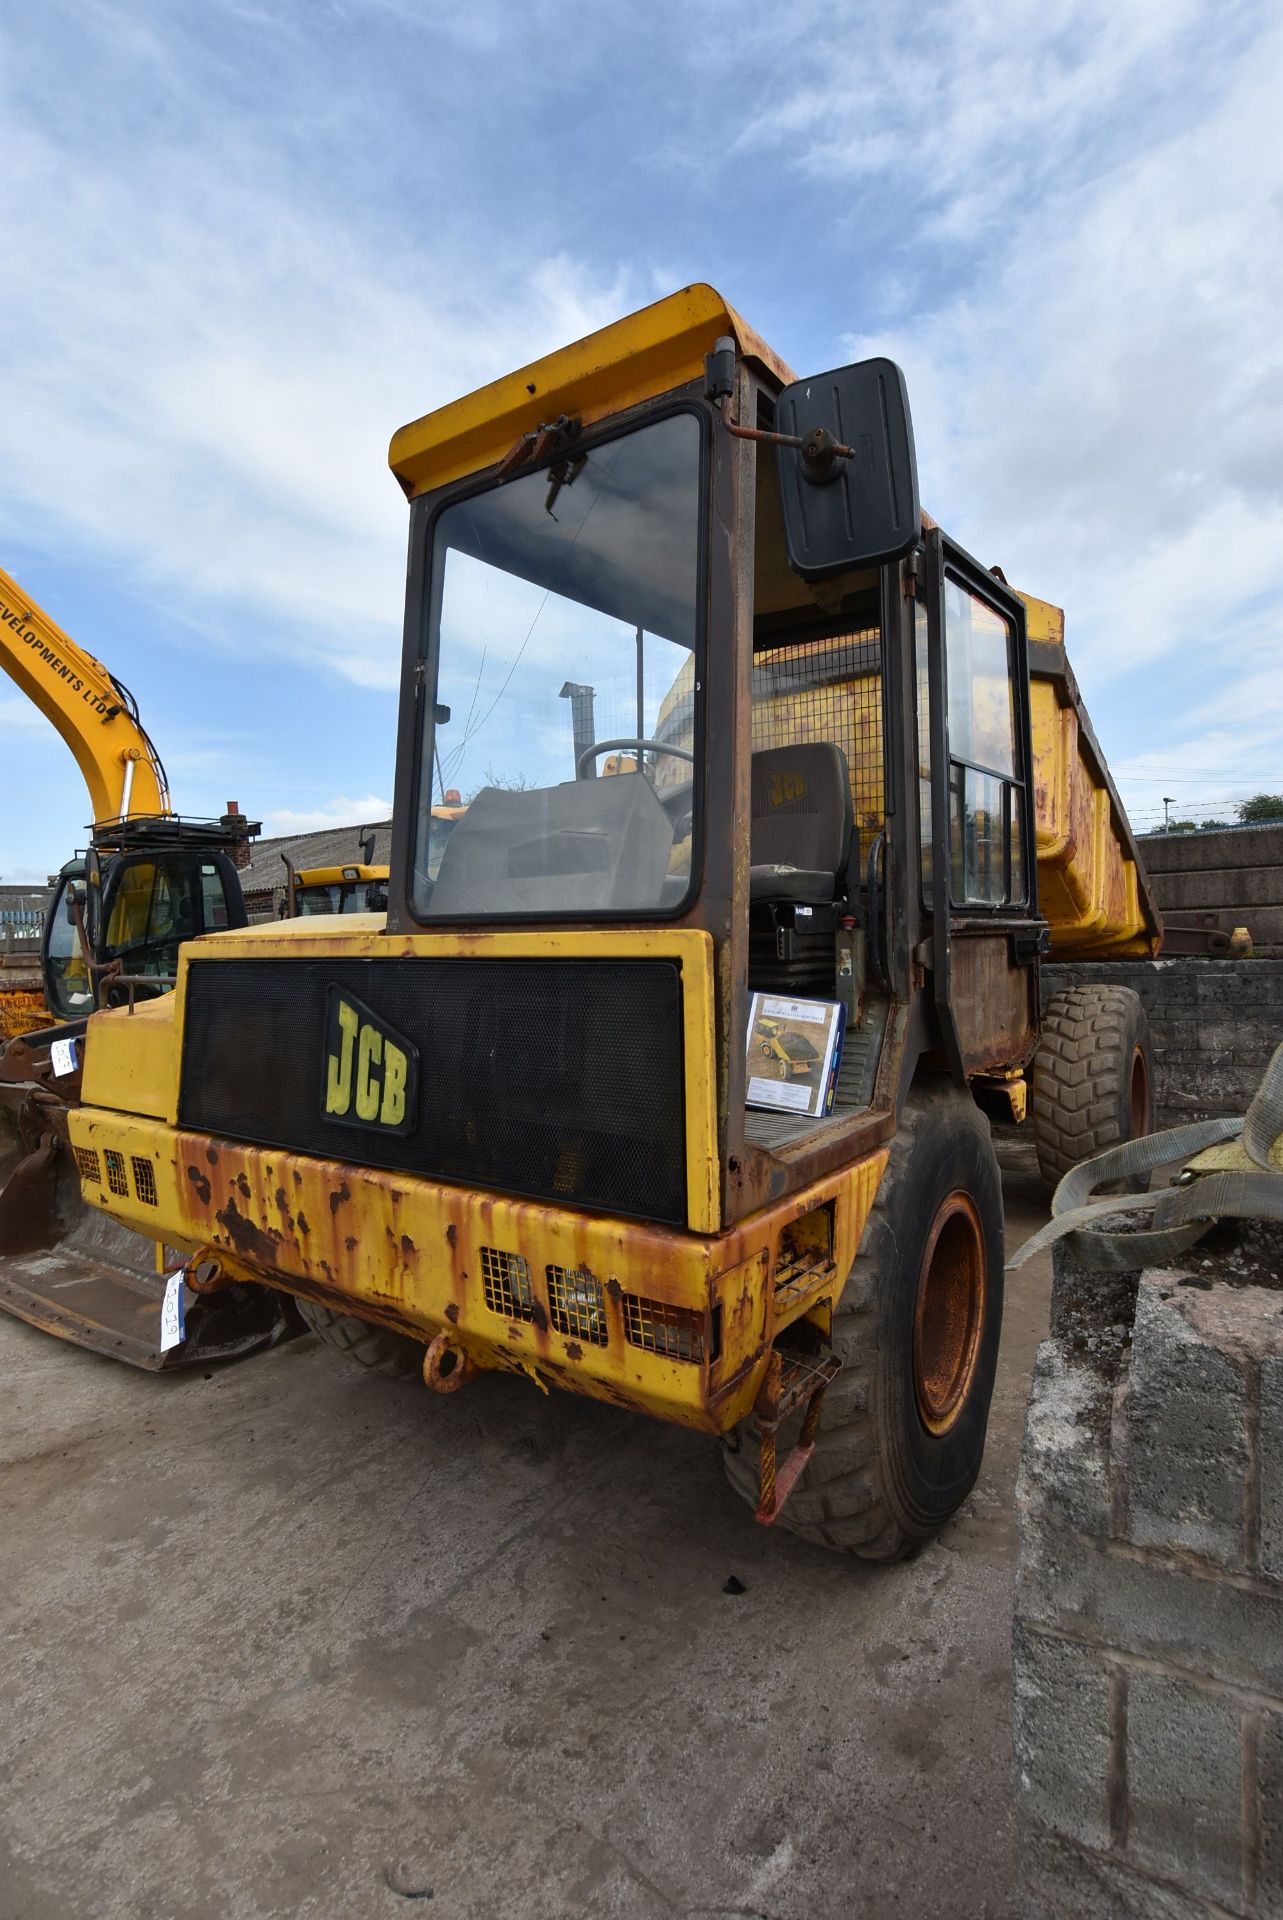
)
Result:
{"points": [[643, 746]]}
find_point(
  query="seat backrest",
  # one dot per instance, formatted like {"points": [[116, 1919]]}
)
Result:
{"points": [[801, 808]]}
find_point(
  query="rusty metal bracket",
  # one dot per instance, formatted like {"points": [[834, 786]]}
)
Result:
{"points": [[790, 1380], [547, 438]]}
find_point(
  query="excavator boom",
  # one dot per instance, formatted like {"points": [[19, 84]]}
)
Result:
{"points": [[95, 714]]}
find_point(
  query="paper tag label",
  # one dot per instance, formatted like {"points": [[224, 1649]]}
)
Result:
{"points": [[173, 1313], [62, 1053]]}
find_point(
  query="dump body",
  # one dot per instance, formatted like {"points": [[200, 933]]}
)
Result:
{"points": [[1092, 886]]}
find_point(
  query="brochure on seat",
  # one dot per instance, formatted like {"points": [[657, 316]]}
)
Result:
{"points": [[794, 1051]]}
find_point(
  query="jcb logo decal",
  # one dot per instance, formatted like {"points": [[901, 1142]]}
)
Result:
{"points": [[371, 1072], [786, 787]]}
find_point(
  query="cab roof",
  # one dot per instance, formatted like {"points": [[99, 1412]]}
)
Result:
{"points": [[645, 354]]}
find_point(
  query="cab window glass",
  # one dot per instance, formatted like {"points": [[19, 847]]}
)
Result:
{"points": [[67, 978], [987, 858], [213, 900]]}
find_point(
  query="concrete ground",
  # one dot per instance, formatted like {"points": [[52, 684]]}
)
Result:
{"points": [[287, 1639]]}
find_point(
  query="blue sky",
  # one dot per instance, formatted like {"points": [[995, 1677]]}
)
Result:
{"points": [[245, 242]]}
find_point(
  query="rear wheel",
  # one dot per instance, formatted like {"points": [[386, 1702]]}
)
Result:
{"points": [[1092, 1081], [902, 1430], [373, 1347]]}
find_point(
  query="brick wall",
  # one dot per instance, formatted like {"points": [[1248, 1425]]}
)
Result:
{"points": [[1238, 874], [1148, 1652], [1215, 1024]]}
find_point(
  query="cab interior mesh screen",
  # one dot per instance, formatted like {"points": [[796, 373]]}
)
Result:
{"points": [[557, 1079], [827, 689]]}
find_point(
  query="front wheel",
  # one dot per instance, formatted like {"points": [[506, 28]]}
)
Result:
{"points": [[902, 1430]]}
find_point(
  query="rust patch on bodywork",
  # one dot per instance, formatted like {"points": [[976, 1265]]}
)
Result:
{"points": [[340, 1197], [250, 1241], [201, 1184]]}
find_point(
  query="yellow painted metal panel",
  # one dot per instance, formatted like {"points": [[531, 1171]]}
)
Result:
{"points": [[131, 1059], [646, 354], [422, 1257]]}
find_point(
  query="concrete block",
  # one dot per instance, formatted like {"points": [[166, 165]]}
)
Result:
{"points": [[1235, 847], [1270, 1467], [1217, 984], [1185, 1785], [1186, 1425], [1064, 1462], [1218, 1036], [1062, 1736], [1269, 1813], [1202, 1624], [1227, 889], [1061, 1882]]}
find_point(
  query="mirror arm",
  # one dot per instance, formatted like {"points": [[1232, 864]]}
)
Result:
{"points": [[820, 451]]}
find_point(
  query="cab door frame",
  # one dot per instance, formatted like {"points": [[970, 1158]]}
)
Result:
{"points": [[982, 956]]}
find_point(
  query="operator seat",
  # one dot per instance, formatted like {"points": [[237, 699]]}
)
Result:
{"points": [[802, 856]]}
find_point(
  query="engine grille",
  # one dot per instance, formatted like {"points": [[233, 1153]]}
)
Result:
{"points": [[561, 1080]]}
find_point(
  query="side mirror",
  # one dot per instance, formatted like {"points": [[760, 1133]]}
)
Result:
{"points": [[850, 490], [73, 900]]}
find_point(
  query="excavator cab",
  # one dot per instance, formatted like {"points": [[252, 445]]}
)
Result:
{"points": [[115, 928], [121, 911]]}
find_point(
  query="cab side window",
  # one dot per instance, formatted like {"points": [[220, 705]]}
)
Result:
{"points": [[986, 779]]}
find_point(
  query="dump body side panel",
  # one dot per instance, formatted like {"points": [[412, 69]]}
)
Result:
{"points": [[1092, 886]]}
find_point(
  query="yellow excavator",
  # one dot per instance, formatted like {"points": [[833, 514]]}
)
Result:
{"points": [[147, 881]]}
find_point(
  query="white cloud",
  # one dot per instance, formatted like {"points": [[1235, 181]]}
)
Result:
{"points": [[1097, 387], [341, 811], [201, 376]]}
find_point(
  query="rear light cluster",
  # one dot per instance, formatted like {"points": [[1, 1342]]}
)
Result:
{"points": [[577, 1307]]}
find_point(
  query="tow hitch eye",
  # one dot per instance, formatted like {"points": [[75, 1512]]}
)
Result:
{"points": [[445, 1365]]}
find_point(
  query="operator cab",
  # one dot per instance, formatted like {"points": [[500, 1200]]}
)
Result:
{"points": [[120, 912]]}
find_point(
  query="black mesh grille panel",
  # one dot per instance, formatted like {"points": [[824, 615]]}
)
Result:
{"points": [[827, 689], [557, 1079]]}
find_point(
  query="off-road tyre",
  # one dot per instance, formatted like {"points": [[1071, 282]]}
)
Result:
{"points": [[1091, 1086], [884, 1478], [360, 1340]]}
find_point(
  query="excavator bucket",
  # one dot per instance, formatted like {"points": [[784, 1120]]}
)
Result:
{"points": [[78, 1274]]}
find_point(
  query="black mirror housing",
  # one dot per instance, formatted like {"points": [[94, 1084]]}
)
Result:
{"points": [[842, 513]]}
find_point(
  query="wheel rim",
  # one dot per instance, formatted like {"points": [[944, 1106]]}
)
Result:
{"points": [[1139, 1101], [949, 1313]]}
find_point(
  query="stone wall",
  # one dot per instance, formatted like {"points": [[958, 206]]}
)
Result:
{"points": [[1237, 874], [1149, 1597], [1215, 1025]]}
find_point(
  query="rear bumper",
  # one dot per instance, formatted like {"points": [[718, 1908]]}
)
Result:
{"points": [[674, 1324]]}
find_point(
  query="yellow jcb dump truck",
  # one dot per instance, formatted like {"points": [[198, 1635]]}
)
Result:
{"points": [[147, 881], [504, 1125]]}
